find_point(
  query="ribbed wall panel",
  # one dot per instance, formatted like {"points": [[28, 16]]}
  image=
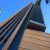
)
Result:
{"points": [[9, 26]]}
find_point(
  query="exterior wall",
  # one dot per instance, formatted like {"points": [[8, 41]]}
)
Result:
{"points": [[35, 40], [37, 14], [10, 28]]}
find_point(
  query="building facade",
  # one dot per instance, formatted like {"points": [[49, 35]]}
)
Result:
{"points": [[24, 30], [35, 40]]}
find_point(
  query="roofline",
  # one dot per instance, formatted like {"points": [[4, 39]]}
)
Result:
{"points": [[32, 21]]}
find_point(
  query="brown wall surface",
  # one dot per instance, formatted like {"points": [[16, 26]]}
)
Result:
{"points": [[35, 40]]}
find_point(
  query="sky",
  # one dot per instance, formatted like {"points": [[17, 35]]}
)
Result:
{"points": [[10, 7]]}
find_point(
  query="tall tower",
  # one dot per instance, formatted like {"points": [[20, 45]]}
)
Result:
{"points": [[14, 25], [24, 30], [36, 22]]}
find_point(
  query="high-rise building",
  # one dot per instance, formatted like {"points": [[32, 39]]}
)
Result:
{"points": [[24, 30], [36, 22]]}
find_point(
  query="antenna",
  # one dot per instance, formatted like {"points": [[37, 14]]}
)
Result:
{"points": [[0, 10]]}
